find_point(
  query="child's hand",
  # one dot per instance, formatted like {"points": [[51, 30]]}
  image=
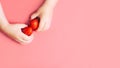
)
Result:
{"points": [[45, 15], [14, 31]]}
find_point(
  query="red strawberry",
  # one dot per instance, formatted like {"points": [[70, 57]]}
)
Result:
{"points": [[34, 24], [27, 30]]}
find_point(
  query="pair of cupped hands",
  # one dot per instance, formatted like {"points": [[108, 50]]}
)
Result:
{"points": [[14, 30]]}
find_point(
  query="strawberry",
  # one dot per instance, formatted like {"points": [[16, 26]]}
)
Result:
{"points": [[34, 24], [27, 30]]}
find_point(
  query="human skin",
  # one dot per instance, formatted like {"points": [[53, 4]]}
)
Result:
{"points": [[45, 13], [14, 30]]}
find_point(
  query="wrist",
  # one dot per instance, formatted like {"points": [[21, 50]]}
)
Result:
{"points": [[50, 4], [3, 25], [45, 8]]}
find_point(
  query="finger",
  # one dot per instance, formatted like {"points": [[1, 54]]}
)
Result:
{"points": [[19, 40], [34, 15], [46, 26], [22, 25], [27, 38], [24, 40], [42, 24]]}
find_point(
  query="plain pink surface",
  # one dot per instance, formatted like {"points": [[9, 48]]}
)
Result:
{"points": [[84, 34], [19, 11]]}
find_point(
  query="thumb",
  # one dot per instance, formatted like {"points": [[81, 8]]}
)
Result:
{"points": [[22, 25], [34, 16]]}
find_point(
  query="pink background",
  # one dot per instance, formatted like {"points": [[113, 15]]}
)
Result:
{"points": [[84, 34]]}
